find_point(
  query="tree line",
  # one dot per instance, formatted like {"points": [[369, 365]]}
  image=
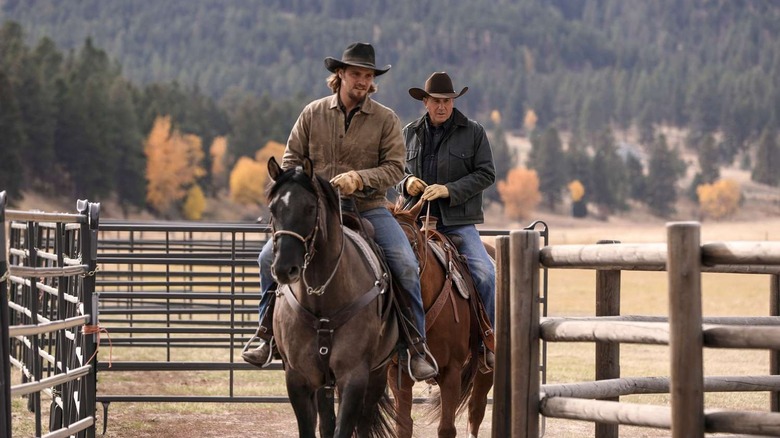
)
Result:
{"points": [[587, 68]]}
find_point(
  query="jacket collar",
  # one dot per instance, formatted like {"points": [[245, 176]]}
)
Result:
{"points": [[458, 119], [366, 107]]}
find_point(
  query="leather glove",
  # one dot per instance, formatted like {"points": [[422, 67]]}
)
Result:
{"points": [[347, 182], [414, 186], [435, 191]]}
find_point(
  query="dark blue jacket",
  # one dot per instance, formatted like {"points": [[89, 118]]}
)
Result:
{"points": [[465, 166]]}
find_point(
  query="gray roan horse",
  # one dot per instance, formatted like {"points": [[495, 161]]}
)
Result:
{"points": [[330, 322]]}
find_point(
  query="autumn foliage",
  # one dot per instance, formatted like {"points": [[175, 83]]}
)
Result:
{"points": [[520, 193], [194, 204], [247, 182], [719, 199], [249, 177], [173, 163], [218, 153]]}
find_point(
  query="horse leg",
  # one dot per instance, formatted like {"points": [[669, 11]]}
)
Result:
{"points": [[352, 392], [449, 391], [478, 401], [403, 400], [302, 401], [377, 408], [327, 412]]}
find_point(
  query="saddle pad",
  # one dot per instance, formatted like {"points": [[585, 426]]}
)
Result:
{"points": [[457, 277], [369, 253]]}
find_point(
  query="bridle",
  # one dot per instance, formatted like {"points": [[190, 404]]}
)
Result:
{"points": [[308, 243]]}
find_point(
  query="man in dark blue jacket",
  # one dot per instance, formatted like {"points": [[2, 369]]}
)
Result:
{"points": [[449, 163]]}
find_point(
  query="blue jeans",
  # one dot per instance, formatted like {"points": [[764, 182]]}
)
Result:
{"points": [[265, 259], [398, 254], [480, 264]]}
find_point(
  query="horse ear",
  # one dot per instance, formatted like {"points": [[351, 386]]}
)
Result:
{"points": [[308, 166], [273, 168]]}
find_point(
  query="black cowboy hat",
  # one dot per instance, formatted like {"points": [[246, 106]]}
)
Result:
{"points": [[438, 85], [358, 55]]}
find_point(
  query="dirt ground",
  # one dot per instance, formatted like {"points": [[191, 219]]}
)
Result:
{"points": [[227, 421]]}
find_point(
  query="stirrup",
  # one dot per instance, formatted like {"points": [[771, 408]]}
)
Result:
{"points": [[409, 361], [271, 344]]}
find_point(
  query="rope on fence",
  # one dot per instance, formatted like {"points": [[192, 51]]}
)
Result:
{"points": [[97, 329]]}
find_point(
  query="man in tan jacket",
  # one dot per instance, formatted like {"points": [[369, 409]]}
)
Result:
{"points": [[356, 143]]}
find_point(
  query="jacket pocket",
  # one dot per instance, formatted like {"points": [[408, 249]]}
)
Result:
{"points": [[461, 162]]}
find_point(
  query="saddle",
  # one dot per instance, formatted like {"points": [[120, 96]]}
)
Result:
{"points": [[458, 272]]}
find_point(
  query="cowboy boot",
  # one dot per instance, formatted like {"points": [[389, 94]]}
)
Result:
{"points": [[418, 366], [261, 356]]}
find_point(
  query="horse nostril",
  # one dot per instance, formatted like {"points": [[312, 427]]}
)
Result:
{"points": [[293, 273]]}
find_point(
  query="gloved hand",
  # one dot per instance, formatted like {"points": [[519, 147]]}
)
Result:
{"points": [[414, 185], [347, 182], [435, 191]]}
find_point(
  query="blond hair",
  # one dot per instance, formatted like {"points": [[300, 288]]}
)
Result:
{"points": [[334, 83]]}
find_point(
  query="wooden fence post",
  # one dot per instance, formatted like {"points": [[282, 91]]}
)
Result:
{"points": [[524, 333], [607, 354], [5, 353], [774, 355], [686, 338], [502, 403]]}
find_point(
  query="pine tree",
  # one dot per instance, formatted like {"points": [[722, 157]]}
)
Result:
{"points": [[608, 175], [546, 158], [665, 169], [503, 159], [767, 159], [11, 141]]}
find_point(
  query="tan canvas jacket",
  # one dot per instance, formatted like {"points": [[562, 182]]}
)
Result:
{"points": [[373, 146]]}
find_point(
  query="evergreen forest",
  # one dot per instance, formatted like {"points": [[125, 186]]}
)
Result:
{"points": [[83, 84]]}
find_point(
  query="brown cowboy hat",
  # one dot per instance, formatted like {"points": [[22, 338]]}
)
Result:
{"points": [[358, 55], [438, 85]]}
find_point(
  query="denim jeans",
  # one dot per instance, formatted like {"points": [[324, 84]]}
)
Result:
{"points": [[398, 254], [480, 264]]}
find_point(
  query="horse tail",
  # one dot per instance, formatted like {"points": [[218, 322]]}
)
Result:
{"points": [[383, 419], [467, 376], [471, 369]]}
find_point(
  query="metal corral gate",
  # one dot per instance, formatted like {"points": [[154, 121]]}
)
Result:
{"points": [[168, 288], [47, 317], [178, 297]]}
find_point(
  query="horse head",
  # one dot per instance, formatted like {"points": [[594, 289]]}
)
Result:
{"points": [[298, 217]]}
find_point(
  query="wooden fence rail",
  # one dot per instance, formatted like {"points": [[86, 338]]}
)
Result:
{"points": [[685, 331]]}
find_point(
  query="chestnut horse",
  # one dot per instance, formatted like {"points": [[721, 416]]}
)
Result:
{"points": [[330, 322], [452, 334]]}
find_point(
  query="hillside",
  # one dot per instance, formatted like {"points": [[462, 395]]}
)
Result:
{"points": [[572, 62]]}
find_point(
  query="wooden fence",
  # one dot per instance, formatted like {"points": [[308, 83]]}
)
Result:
{"points": [[520, 330], [49, 323]]}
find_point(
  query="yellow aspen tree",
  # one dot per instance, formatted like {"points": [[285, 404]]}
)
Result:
{"points": [[576, 190], [173, 164], [719, 199], [271, 149], [194, 204], [218, 153], [247, 182], [495, 117], [520, 193]]}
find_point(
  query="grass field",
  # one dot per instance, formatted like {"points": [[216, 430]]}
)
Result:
{"points": [[571, 293]]}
